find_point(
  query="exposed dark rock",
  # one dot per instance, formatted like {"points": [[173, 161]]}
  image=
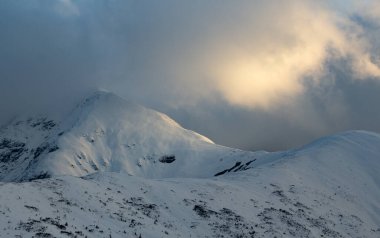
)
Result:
{"points": [[31, 208], [53, 148], [11, 150], [42, 175], [40, 150], [237, 167], [202, 211], [43, 235], [167, 159], [148, 209], [42, 123]]}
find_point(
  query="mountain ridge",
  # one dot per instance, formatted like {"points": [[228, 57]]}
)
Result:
{"points": [[111, 168]]}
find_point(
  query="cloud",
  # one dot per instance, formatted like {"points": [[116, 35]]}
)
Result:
{"points": [[270, 62], [264, 65], [252, 54], [67, 8], [261, 66]]}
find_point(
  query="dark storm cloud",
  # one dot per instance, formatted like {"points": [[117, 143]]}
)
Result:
{"points": [[206, 64], [45, 58]]}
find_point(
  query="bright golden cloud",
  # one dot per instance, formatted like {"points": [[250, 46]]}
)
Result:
{"points": [[262, 60], [268, 66], [253, 54]]}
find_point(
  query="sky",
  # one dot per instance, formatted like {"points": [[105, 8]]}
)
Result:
{"points": [[251, 74]]}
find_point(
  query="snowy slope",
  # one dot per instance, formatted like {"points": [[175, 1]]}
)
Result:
{"points": [[327, 189], [107, 133], [120, 170]]}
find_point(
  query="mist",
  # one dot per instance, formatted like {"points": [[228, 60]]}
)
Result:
{"points": [[257, 75]]}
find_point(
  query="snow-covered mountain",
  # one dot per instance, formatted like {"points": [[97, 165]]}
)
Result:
{"points": [[115, 169], [108, 133]]}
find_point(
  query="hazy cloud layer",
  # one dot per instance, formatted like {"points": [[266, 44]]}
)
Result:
{"points": [[253, 74]]}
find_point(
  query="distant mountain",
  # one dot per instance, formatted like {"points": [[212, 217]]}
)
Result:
{"points": [[112, 168]]}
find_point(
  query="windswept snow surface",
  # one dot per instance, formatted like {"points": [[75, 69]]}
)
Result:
{"points": [[115, 169]]}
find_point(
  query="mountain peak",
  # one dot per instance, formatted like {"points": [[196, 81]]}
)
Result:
{"points": [[105, 132], [104, 97]]}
